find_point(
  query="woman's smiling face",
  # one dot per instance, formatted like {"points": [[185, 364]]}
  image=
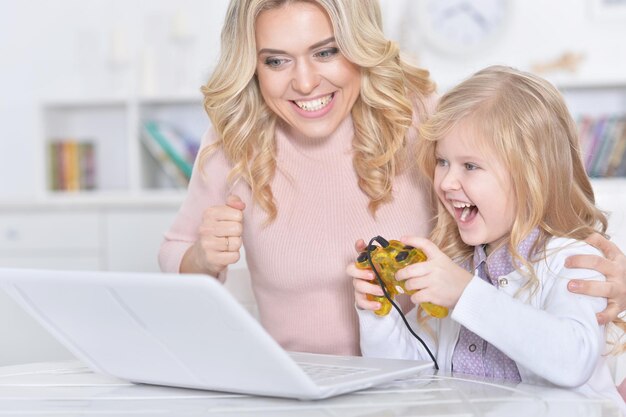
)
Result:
{"points": [[302, 75]]}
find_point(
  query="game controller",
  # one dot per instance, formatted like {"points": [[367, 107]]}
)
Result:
{"points": [[388, 258]]}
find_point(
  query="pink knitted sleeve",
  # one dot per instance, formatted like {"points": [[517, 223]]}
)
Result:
{"points": [[207, 187]]}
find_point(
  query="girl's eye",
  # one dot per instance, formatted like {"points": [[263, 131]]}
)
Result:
{"points": [[274, 62], [442, 162], [470, 167], [327, 53]]}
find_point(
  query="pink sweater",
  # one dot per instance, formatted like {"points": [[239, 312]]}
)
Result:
{"points": [[297, 264]]}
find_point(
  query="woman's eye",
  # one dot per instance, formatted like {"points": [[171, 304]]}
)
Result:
{"points": [[274, 62], [441, 162], [470, 167], [328, 53]]}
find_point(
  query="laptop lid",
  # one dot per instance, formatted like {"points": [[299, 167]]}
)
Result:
{"points": [[176, 330]]}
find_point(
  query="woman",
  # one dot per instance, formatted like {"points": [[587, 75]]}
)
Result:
{"points": [[314, 122]]}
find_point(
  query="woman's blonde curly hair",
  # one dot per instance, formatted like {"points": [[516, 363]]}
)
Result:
{"points": [[382, 114]]}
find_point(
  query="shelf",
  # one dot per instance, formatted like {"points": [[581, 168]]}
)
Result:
{"points": [[102, 124], [95, 199], [78, 103], [616, 84], [124, 165], [173, 99], [127, 171], [615, 186]]}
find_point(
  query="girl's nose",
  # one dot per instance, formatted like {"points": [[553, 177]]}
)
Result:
{"points": [[450, 181], [305, 78]]}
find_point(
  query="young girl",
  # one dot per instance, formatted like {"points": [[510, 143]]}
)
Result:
{"points": [[514, 203]]}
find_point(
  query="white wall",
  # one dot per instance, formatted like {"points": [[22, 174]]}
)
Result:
{"points": [[75, 48], [64, 48], [537, 31]]}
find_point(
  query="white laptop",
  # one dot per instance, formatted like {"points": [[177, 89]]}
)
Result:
{"points": [[184, 331]]}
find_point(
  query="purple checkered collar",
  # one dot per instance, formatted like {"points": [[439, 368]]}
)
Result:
{"points": [[500, 262]]}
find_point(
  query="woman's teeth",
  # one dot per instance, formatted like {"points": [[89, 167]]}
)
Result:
{"points": [[314, 105]]}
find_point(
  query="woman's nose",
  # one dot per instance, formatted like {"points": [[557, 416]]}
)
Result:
{"points": [[305, 78]]}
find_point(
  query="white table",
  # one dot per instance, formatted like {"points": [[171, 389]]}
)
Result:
{"points": [[70, 389]]}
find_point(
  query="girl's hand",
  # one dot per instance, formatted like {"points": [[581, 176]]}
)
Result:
{"points": [[220, 239], [612, 266], [361, 281], [438, 279]]}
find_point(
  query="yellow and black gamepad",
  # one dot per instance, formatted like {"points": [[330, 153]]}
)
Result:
{"points": [[388, 260]]}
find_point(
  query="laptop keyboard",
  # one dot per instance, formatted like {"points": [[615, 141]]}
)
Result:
{"points": [[319, 372]]}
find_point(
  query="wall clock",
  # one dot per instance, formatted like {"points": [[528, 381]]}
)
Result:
{"points": [[462, 27]]}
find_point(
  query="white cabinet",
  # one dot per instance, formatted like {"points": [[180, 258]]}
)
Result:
{"points": [[603, 100], [83, 234], [102, 123], [610, 196], [112, 127], [600, 111], [119, 235], [90, 235], [133, 237], [50, 239], [595, 98], [42, 238]]}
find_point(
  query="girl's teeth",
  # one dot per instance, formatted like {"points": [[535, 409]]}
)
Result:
{"points": [[314, 105], [465, 213]]}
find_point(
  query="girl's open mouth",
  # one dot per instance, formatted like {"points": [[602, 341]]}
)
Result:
{"points": [[464, 212]]}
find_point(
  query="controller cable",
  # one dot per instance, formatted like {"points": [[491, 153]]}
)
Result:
{"points": [[384, 244]]}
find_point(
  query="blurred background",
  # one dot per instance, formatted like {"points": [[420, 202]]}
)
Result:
{"points": [[101, 114], [114, 64]]}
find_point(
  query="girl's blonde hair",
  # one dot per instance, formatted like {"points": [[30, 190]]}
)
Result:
{"points": [[524, 121], [382, 114]]}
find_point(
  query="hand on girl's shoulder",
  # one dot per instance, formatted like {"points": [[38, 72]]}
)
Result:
{"points": [[558, 249]]}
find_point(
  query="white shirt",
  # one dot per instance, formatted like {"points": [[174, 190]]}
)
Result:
{"points": [[551, 334]]}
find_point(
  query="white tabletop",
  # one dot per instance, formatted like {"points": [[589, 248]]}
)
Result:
{"points": [[69, 389]]}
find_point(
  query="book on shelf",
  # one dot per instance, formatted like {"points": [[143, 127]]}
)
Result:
{"points": [[617, 161], [72, 165], [174, 150], [603, 144]]}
